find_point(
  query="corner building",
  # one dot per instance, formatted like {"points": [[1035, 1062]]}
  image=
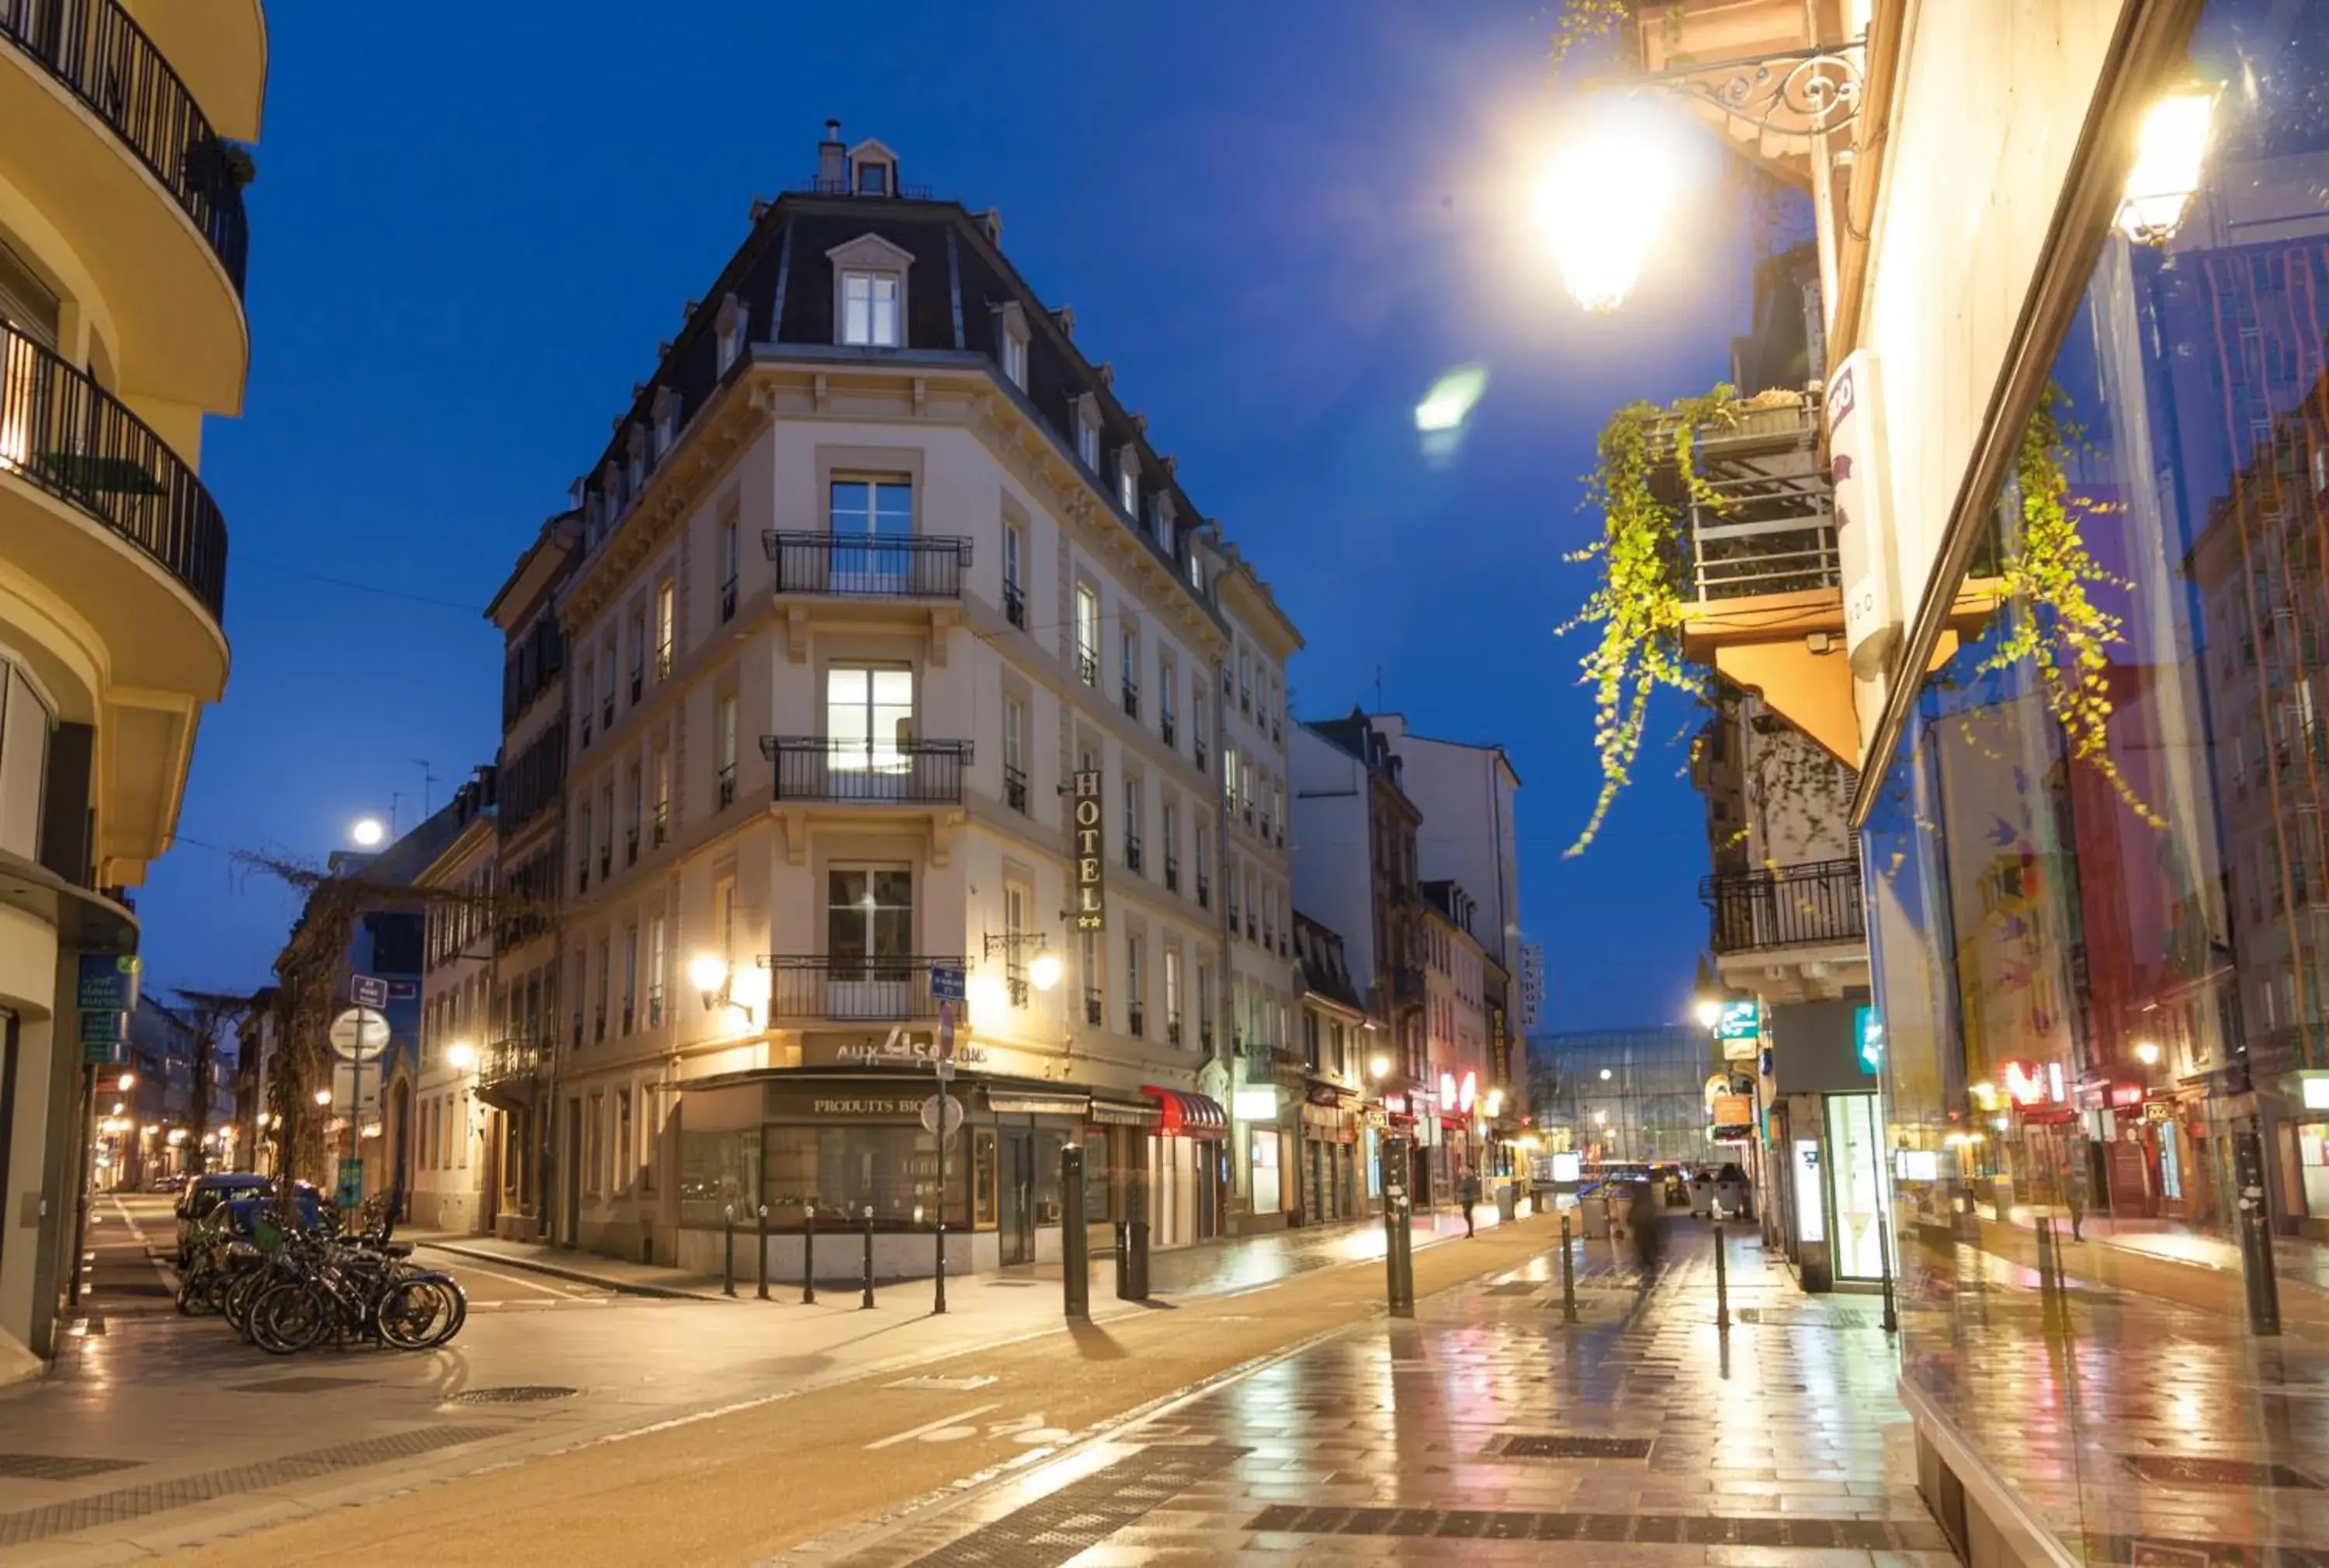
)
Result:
{"points": [[122, 249], [874, 567]]}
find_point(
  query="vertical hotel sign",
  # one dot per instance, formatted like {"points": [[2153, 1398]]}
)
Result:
{"points": [[1089, 883]]}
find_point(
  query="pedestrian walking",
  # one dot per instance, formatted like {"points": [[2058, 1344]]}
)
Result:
{"points": [[1471, 1195]]}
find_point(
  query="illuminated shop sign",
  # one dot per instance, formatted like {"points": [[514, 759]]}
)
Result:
{"points": [[1090, 886], [1868, 1033]]}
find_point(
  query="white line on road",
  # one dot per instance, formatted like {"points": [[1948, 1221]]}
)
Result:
{"points": [[463, 1265], [944, 1420]]}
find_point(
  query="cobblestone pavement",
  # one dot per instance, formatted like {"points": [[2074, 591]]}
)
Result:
{"points": [[1485, 1428]]}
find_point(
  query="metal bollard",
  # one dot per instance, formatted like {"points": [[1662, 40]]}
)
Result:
{"points": [[1123, 1261], [868, 1300], [728, 1250], [808, 1256], [1722, 1283], [1075, 1257], [1885, 1255], [1567, 1275], [1136, 1275], [764, 1252], [1399, 1229]]}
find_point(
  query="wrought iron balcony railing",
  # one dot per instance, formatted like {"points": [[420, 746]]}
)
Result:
{"points": [[812, 767], [104, 60], [854, 986], [1816, 903], [1014, 789], [64, 434], [516, 1060], [867, 566]]}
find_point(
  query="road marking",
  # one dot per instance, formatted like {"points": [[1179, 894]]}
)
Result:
{"points": [[910, 1433], [461, 1265]]}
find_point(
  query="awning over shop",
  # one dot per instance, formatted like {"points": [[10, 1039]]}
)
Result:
{"points": [[1187, 1115], [1116, 1114]]}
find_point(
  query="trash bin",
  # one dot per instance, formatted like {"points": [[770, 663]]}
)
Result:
{"points": [[1593, 1214], [1508, 1201]]}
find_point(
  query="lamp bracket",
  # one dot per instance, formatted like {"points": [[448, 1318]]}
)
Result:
{"points": [[1791, 93]]}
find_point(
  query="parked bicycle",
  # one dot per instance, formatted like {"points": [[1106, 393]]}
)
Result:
{"points": [[288, 1278]]}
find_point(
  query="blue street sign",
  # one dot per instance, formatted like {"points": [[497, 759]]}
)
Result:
{"points": [[1739, 1020], [101, 1034], [365, 991], [946, 983], [107, 983]]}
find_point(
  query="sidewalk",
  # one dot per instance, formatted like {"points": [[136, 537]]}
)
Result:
{"points": [[615, 1274], [1484, 1430]]}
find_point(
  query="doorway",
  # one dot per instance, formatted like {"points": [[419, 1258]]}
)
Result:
{"points": [[572, 1229], [1015, 1225]]}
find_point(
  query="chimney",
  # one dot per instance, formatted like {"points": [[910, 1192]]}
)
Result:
{"points": [[992, 222], [832, 160]]}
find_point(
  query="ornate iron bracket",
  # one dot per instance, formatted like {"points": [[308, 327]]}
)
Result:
{"points": [[1794, 93]]}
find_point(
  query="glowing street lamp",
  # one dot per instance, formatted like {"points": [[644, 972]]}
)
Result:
{"points": [[708, 973], [1043, 970], [2147, 1052], [127, 1082], [366, 832], [2169, 150], [322, 1096], [461, 1055], [1378, 1067], [1709, 1011], [1603, 204]]}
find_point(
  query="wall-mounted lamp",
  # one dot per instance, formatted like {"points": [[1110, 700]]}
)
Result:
{"points": [[2170, 149], [461, 1055], [709, 973]]}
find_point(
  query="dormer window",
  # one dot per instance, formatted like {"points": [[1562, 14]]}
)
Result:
{"points": [[869, 288], [666, 423], [873, 169], [1012, 341], [1127, 484], [635, 479], [1088, 431], [730, 328]]}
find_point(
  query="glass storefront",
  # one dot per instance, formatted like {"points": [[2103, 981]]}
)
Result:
{"points": [[1855, 1153], [2098, 891]]}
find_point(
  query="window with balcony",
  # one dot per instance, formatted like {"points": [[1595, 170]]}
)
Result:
{"points": [[638, 653], [1128, 667], [582, 873], [869, 309], [588, 685], [869, 926], [868, 718], [1087, 635], [1173, 995], [1245, 683], [728, 570], [872, 524], [1014, 755], [1014, 552], [607, 844], [1133, 997], [1095, 1017], [726, 726], [1017, 899], [1204, 867], [1205, 1004], [1278, 801], [662, 775], [1245, 787], [729, 341], [1229, 775], [1166, 680], [1132, 825], [635, 800], [658, 959], [1172, 835], [605, 970], [630, 979], [1233, 886], [1197, 730], [607, 683]]}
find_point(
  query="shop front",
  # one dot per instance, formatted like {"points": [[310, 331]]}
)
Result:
{"points": [[843, 1147], [1184, 1163], [1329, 1154], [1826, 1143]]}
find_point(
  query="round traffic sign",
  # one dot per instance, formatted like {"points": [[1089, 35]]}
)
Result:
{"points": [[952, 1112], [359, 1034]]}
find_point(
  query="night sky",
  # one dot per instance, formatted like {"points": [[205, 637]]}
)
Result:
{"points": [[1280, 222]]}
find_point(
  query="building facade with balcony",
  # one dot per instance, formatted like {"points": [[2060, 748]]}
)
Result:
{"points": [[122, 244], [452, 1134], [1459, 1061], [2086, 803], [894, 654], [527, 1019], [1257, 902]]}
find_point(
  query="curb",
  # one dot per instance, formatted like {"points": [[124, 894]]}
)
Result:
{"points": [[573, 1276]]}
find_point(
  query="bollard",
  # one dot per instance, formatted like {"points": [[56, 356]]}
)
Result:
{"points": [[2049, 1303], [1567, 1275], [1075, 1241], [1399, 1229], [728, 1250], [1123, 1261], [868, 1300], [1136, 1289], [1884, 1257], [1722, 1283], [764, 1252], [808, 1256]]}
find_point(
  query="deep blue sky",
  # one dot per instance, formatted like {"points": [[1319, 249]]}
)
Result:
{"points": [[1280, 222]]}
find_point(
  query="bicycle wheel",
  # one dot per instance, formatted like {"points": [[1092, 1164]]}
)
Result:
{"points": [[422, 1313], [289, 1318]]}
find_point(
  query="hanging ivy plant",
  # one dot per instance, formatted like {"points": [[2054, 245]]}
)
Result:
{"points": [[1639, 606], [2062, 632], [1584, 21]]}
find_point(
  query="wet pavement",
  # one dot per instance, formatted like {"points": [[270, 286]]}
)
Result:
{"points": [[1486, 1429]]}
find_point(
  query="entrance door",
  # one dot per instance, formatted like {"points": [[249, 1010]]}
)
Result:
{"points": [[1016, 1217]]}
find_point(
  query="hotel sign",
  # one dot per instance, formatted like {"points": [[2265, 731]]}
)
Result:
{"points": [[1090, 888]]}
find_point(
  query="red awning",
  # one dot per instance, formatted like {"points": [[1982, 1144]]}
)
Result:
{"points": [[1188, 1116]]}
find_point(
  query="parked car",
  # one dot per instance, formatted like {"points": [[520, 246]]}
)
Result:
{"points": [[205, 1193], [175, 1181]]}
